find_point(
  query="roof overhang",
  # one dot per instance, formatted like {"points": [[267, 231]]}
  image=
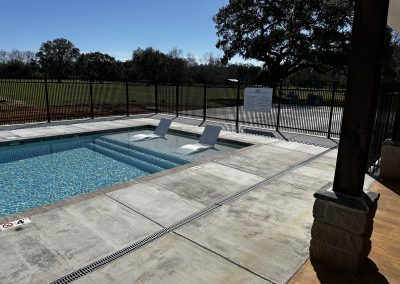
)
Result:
{"points": [[394, 15]]}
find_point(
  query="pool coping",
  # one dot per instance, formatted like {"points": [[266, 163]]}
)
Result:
{"points": [[247, 146], [267, 144], [21, 141]]}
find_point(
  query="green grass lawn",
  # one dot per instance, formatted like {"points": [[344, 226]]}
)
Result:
{"points": [[71, 98], [32, 93], [72, 93], [78, 92]]}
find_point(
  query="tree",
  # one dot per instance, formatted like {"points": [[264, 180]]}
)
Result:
{"points": [[29, 57], [286, 35], [3, 56], [191, 60], [391, 58], [396, 59], [17, 63], [15, 55], [150, 64], [57, 57], [211, 69], [97, 65], [175, 65], [21, 56]]}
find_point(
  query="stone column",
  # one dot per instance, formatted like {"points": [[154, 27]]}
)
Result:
{"points": [[342, 229], [343, 215]]}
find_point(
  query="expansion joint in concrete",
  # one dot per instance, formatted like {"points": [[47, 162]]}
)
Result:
{"points": [[165, 230], [227, 259]]}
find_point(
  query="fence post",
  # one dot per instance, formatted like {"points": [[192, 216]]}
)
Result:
{"points": [[91, 99], [127, 97], [177, 99], [205, 102], [237, 105], [331, 110], [46, 90], [279, 104], [396, 123], [390, 104], [156, 96]]}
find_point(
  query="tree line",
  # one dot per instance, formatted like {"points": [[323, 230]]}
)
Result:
{"points": [[304, 40], [60, 58]]}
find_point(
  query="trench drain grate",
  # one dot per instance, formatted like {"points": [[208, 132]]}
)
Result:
{"points": [[118, 254]]}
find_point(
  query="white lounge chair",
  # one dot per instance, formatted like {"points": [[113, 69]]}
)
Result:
{"points": [[159, 132], [207, 140]]}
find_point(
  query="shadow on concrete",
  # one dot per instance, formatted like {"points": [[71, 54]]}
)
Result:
{"points": [[68, 122], [369, 274], [334, 141], [259, 132], [282, 135]]}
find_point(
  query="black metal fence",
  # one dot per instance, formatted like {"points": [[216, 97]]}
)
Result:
{"points": [[388, 104], [297, 108], [310, 109], [41, 99]]}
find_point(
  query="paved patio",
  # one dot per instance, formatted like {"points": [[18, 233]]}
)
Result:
{"points": [[259, 235]]}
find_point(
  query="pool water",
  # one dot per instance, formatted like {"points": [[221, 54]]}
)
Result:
{"points": [[39, 173]]}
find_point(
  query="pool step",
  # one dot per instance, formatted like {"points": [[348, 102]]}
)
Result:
{"points": [[165, 156], [142, 165], [155, 160]]}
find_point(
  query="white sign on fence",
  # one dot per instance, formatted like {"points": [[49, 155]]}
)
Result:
{"points": [[14, 224], [258, 99]]}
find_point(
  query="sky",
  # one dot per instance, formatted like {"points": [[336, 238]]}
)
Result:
{"points": [[115, 27]]}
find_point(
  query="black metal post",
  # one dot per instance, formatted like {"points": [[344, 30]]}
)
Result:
{"points": [[237, 106], [370, 18], [331, 110], [127, 97], [278, 118], [91, 99], [205, 102], [396, 125], [46, 90], [177, 99], [156, 97], [387, 109]]}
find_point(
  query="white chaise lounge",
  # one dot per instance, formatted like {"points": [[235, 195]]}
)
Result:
{"points": [[159, 132], [207, 140]]}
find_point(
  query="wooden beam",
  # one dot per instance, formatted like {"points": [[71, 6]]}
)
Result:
{"points": [[370, 18]]}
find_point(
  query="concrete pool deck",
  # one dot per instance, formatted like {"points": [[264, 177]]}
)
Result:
{"points": [[260, 236]]}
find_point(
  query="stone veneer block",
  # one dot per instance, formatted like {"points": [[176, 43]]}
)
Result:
{"points": [[330, 235], [347, 218], [342, 229], [390, 160], [336, 258]]}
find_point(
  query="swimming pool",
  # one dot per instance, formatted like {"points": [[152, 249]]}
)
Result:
{"points": [[39, 173]]}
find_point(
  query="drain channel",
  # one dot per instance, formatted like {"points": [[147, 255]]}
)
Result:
{"points": [[237, 194], [114, 256], [118, 254]]}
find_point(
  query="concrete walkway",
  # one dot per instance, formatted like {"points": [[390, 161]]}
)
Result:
{"points": [[262, 236]]}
